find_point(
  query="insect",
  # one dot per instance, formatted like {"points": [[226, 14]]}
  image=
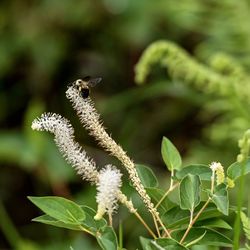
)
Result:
{"points": [[83, 85]]}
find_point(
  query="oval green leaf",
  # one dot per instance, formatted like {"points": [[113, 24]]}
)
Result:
{"points": [[90, 223], [46, 219], [203, 171], [214, 223], [176, 217], [190, 192], [220, 198], [163, 243], [195, 241], [145, 243], [235, 170], [146, 176], [107, 239], [170, 155], [168, 244], [210, 238], [60, 209]]}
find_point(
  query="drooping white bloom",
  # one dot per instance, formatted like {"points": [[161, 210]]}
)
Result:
{"points": [[108, 190], [64, 138]]}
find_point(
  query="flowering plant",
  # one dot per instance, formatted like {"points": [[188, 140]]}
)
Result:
{"points": [[195, 218]]}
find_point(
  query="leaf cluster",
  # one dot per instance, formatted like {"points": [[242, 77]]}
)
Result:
{"points": [[191, 219]]}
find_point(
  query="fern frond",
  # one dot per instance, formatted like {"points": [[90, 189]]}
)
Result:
{"points": [[246, 224], [227, 65], [182, 66], [244, 145]]}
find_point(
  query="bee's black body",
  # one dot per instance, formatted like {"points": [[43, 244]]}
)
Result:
{"points": [[85, 93], [83, 85]]}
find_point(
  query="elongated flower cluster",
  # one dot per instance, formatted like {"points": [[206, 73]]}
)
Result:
{"points": [[64, 139], [91, 120], [218, 169], [108, 188], [108, 181]]}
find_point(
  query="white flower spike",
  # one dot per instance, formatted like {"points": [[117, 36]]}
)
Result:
{"points": [[108, 191], [217, 168], [64, 138], [90, 119]]}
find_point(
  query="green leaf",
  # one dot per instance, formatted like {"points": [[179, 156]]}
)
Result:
{"points": [[213, 223], [190, 192], [146, 176], [46, 219], [170, 155], [246, 224], [145, 243], [60, 208], [234, 171], [193, 242], [156, 194], [211, 238], [176, 217], [90, 223], [165, 243], [160, 244], [107, 239], [203, 171], [220, 198]]}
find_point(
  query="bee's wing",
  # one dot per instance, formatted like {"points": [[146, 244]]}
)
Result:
{"points": [[92, 82]]}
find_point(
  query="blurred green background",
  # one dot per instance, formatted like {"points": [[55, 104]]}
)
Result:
{"points": [[44, 45]]}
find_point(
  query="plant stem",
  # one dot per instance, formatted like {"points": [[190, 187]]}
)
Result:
{"points": [[8, 229], [145, 225], [194, 220], [86, 230], [129, 205], [162, 225], [157, 228], [110, 219], [120, 235], [171, 188], [171, 179], [212, 181]]}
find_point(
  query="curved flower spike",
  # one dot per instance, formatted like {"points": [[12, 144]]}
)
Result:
{"points": [[64, 138], [90, 119]]}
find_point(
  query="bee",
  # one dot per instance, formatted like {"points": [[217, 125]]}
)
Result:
{"points": [[83, 85]]}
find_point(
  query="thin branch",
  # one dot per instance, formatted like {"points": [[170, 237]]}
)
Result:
{"points": [[110, 219], [157, 228], [194, 220], [145, 225], [163, 226]]}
